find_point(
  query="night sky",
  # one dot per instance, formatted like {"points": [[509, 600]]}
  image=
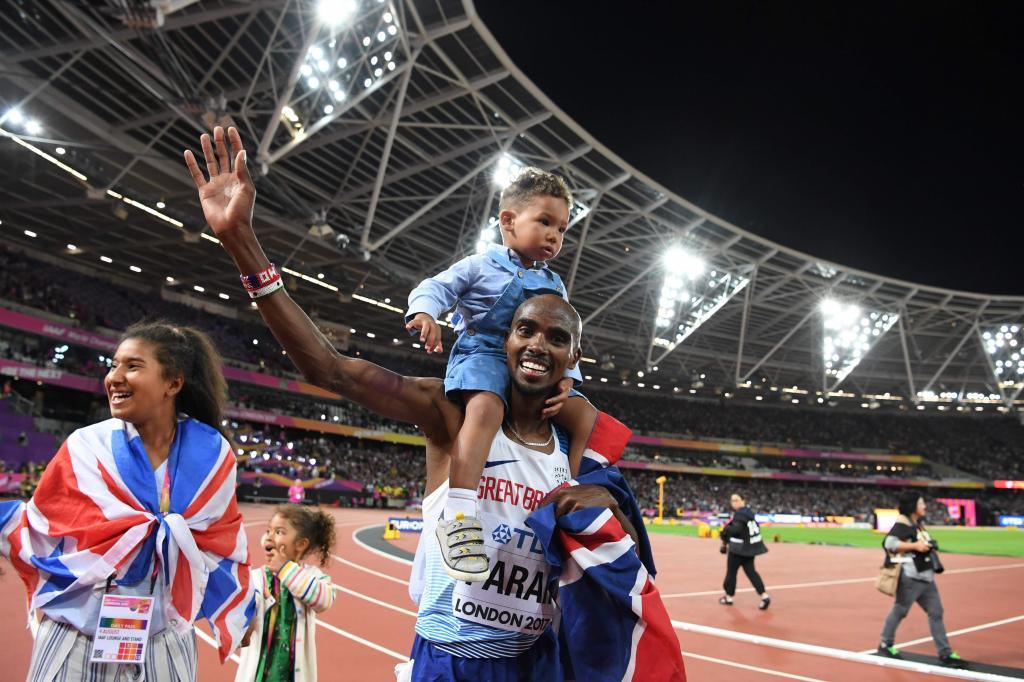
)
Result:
{"points": [[885, 137]]}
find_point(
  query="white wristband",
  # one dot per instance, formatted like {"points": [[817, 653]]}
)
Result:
{"points": [[267, 290]]}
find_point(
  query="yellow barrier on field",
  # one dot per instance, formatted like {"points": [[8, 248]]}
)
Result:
{"points": [[703, 531], [391, 533], [715, 533]]}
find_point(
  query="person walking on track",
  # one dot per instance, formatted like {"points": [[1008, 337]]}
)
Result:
{"points": [[741, 541], [909, 545]]}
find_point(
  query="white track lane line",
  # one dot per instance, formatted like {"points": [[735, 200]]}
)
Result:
{"points": [[964, 631], [344, 633], [212, 642], [364, 642], [378, 602], [848, 581], [374, 550], [369, 570], [841, 654], [766, 671]]}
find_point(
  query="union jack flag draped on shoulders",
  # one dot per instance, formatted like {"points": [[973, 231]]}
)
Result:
{"points": [[614, 625], [96, 514]]}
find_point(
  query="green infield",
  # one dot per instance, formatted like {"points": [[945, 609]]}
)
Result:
{"points": [[991, 541]]}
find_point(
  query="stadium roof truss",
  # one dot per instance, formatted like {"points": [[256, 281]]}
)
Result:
{"points": [[376, 141]]}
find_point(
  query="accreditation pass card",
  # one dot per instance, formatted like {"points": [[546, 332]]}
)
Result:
{"points": [[122, 631]]}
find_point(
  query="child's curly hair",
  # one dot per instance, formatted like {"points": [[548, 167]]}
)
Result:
{"points": [[533, 182], [314, 525]]}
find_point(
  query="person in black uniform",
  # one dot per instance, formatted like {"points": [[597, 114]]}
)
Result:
{"points": [[741, 540]]}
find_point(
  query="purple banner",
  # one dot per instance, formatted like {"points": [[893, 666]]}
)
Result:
{"points": [[53, 330], [56, 377]]}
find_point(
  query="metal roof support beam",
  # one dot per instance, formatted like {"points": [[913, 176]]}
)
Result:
{"points": [[41, 86], [586, 228], [152, 77], [440, 159], [435, 100], [781, 342], [906, 356], [428, 38], [228, 49], [689, 227], [385, 156], [263, 151], [172, 24], [614, 297], [949, 358], [429, 206], [748, 296], [321, 123]]}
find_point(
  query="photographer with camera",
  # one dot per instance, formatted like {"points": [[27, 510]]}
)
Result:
{"points": [[910, 546]]}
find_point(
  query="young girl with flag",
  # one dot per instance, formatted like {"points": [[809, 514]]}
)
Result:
{"points": [[139, 506], [282, 637]]}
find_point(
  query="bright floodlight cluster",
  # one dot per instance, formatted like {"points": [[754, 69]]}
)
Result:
{"points": [[507, 169], [1004, 345], [849, 334], [690, 294], [361, 48], [17, 119]]}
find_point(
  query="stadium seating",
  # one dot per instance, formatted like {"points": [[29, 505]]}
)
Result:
{"points": [[987, 446]]}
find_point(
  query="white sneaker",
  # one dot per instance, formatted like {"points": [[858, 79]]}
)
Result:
{"points": [[462, 546]]}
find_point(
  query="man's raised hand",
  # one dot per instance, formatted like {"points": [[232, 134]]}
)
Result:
{"points": [[228, 197]]}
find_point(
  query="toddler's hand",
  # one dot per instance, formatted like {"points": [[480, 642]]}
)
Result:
{"points": [[553, 405], [430, 332]]}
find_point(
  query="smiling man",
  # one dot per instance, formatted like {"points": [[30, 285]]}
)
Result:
{"points": [[499, 628]]}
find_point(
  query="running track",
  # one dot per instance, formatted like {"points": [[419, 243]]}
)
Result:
{"points": [[821, 596]]}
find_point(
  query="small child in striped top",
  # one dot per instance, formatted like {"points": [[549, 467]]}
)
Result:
{"points": [[289, 594]]}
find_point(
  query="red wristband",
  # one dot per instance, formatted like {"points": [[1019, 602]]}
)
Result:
{"points": [[261, 279]]}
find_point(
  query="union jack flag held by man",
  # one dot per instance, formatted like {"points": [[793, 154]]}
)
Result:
{"points": [[614, 625]]}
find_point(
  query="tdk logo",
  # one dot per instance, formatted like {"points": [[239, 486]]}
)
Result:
{"points": [[521, 538], [502, 534]]}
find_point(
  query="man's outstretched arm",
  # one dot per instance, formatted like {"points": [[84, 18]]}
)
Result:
{"points": [[228, 198]]}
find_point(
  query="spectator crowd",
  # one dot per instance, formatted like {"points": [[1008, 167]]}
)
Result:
{"points": [[987, 446]]}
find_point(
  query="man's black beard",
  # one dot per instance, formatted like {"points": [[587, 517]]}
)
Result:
{"points": [[530, 389]]}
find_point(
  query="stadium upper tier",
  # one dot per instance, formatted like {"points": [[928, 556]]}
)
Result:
{"points": [[379, 139], [772, 431]]}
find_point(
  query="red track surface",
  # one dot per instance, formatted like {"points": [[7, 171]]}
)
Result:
{"points": [[363, 640]]}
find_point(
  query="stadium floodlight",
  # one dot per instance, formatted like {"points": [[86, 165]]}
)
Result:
{"points": [[14, 116], [691, 292], [1004, 351], [336, 12], [506, 171], [33, 127], [488, 235], [849, 334]]}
